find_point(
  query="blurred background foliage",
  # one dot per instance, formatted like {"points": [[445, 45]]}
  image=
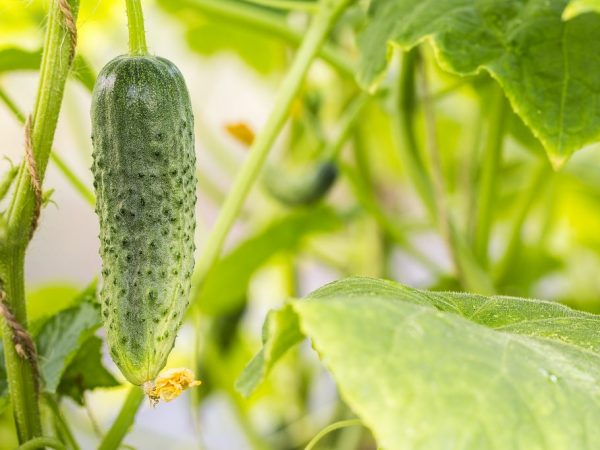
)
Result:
{"points": [[544, 244]]}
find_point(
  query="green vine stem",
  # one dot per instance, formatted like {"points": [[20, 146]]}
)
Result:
{"points": [[124, 420], [60, 163], [62, 427], [260, 20], [351, 114], [328, 429], [470, 273], [486, 193], [403, 131], [524, 205], [72, 178], [319, 28], [42, 442], [55, 65], [135, 22]]}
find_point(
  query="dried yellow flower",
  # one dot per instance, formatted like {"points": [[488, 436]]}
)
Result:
{"points": [[169, 385]]}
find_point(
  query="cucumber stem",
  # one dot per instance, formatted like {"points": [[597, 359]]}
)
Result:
{"points": [[135, 22], [319, 28], [124, 420]]}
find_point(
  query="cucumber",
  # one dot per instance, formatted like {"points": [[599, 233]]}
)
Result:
{"points": [[301, 188], [144, 177]]}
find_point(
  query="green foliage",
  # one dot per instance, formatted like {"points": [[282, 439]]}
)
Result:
{"points": [[422, 369], [217, 26], [50, 299], [540, 61], [86, 372], [60, 338], [219, 295], [281, 331], [64, 321]]}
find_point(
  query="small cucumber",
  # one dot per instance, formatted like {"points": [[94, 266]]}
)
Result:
{"points": [[144, 177], [301, 188]]}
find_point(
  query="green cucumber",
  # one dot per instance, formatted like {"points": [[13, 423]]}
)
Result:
{"points": [[144, 177], [301, 188]]}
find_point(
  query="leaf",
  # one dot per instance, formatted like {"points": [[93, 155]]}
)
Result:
{"points": [[17, 59], [281, 331], [431, 370], [60, 338], [225, 286], [546, 66], [49, 299], [577, 7], [86, 372]]}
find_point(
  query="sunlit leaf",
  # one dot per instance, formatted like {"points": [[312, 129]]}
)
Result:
{"points": [[423, 369], [546, 66]]}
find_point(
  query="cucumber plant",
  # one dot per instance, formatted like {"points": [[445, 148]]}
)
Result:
{"points": [[449, 129]]}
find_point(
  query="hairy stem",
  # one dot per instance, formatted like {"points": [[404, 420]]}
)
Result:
{"points": [[124, 420], [55, 66], [489, 171], [315, 36], [135, 22]]}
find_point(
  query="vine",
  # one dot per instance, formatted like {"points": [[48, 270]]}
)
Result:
{"points": [[55, 66]]}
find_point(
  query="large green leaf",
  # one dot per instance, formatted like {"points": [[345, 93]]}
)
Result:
{"points": [[546, 66], [577, 7], [446, 370], [61, 337], [224, 288], [86, 372]]}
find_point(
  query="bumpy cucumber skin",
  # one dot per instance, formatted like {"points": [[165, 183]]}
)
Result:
{"points": [[144, 177], [301, 189]]}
